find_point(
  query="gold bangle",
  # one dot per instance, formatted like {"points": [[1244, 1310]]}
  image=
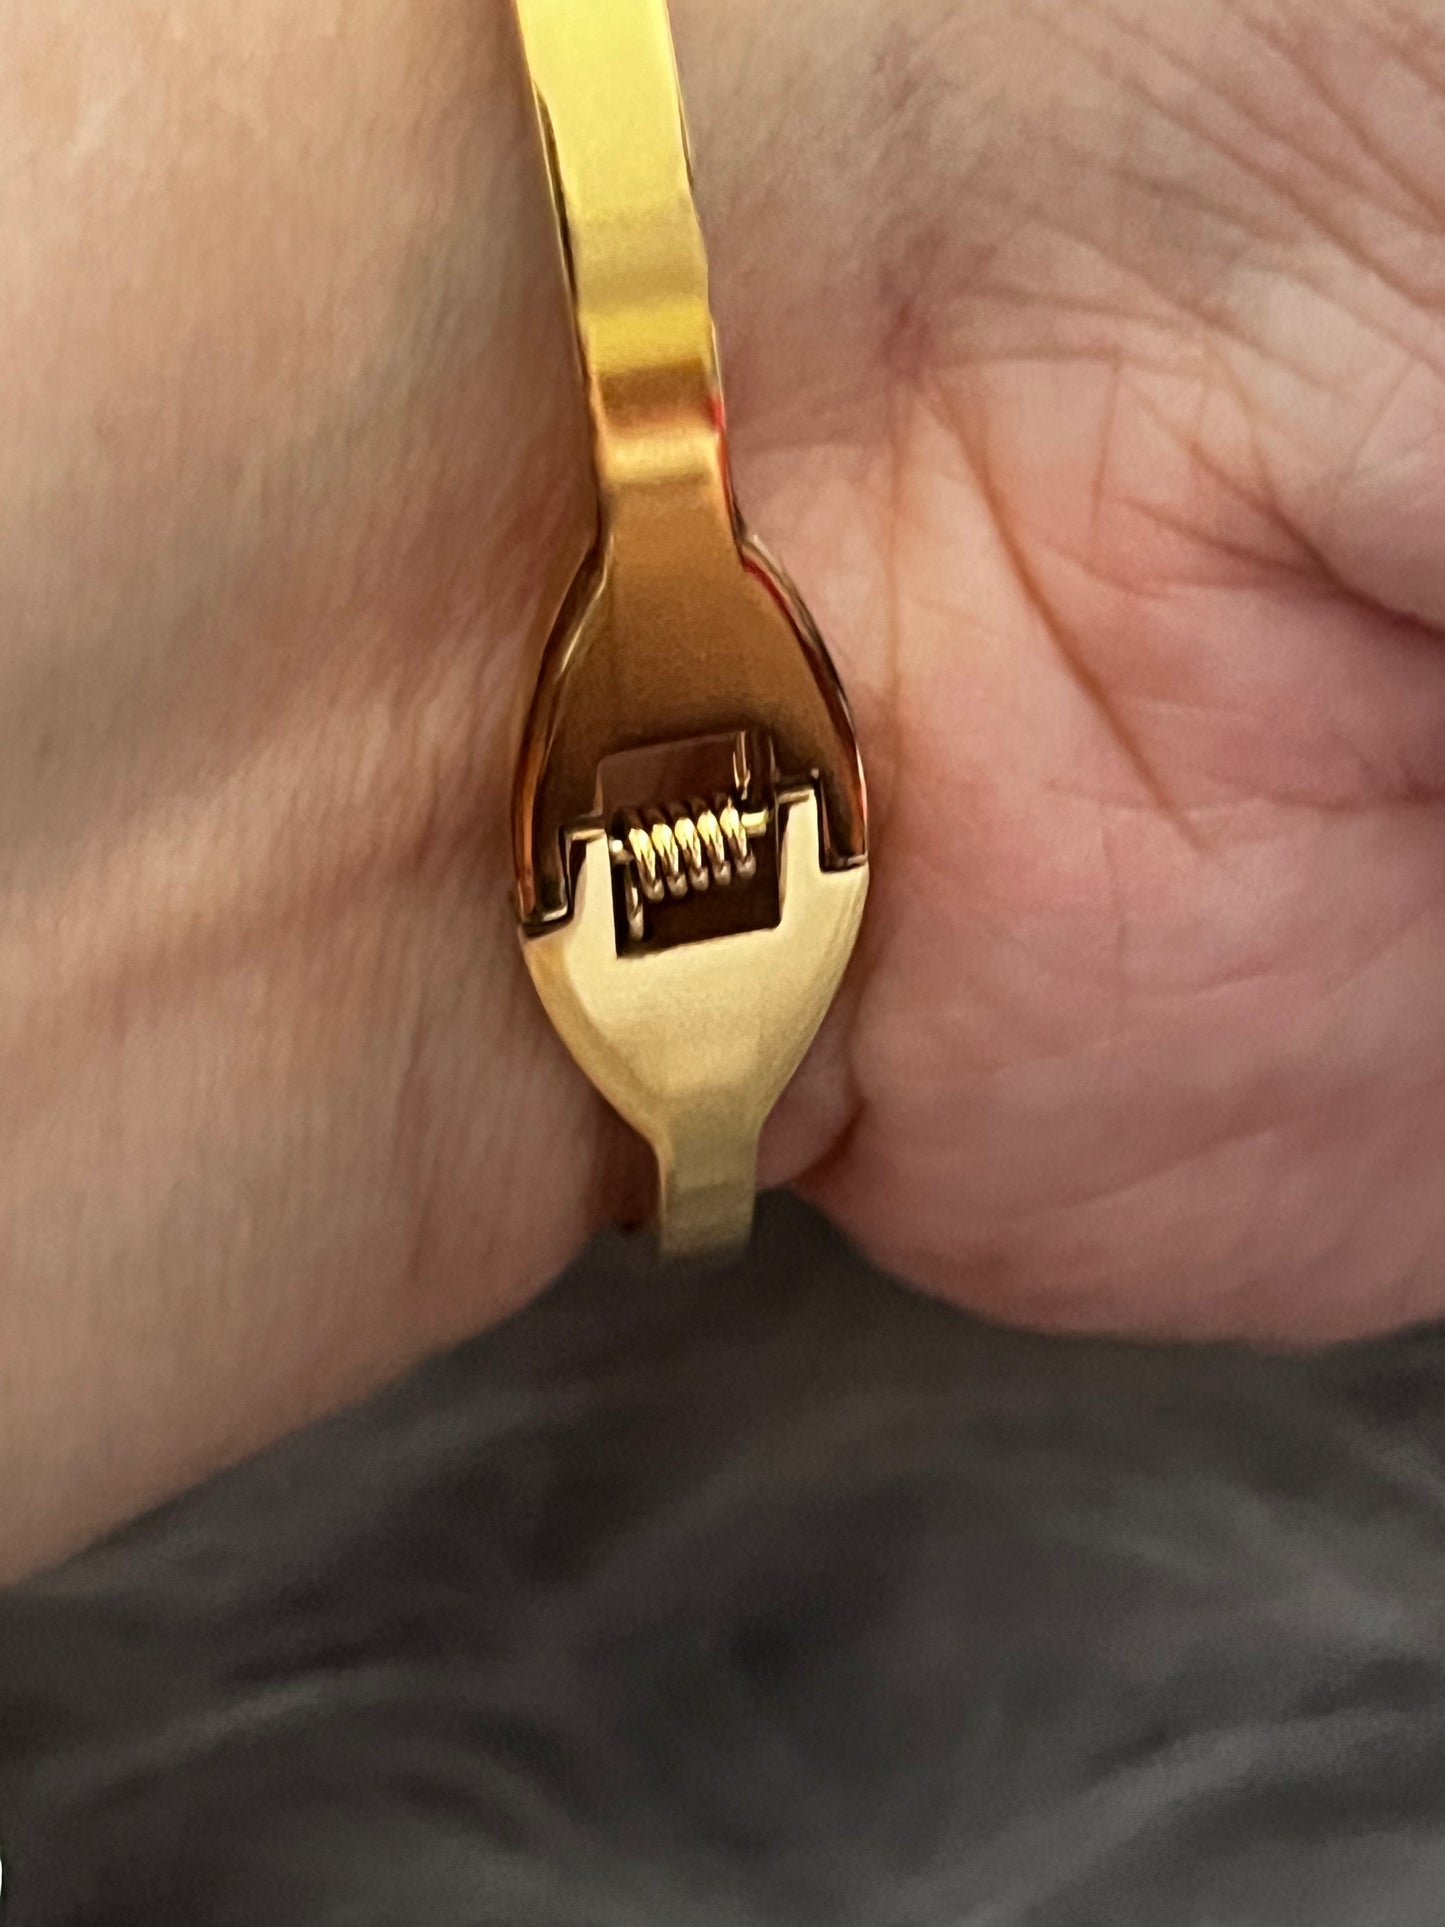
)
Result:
{"points": [[689, 817]]}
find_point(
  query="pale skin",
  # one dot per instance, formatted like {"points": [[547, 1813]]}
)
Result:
{"points": [[1086, 363]]}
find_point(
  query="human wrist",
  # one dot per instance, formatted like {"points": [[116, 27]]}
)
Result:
{"points": [[293, 461]]}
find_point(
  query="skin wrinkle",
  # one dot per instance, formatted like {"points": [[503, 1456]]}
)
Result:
{"points": [[1201, 302], [1428, 209], [1351, 246], [245, 904], [1380, 410], [899, 371], [1106, 450], [1411, 34], [509, 596], [1271, 567], [1323, 563], [1256, 118], [1066, 645], [1315, 566]]}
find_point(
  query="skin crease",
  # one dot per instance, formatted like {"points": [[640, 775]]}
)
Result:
{"points": [[1086, 364]]}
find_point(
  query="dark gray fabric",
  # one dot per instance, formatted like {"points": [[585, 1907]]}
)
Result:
{"points": [[771, 1595]]}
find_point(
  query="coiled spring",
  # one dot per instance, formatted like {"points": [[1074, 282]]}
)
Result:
{"points": [[684, 847]]}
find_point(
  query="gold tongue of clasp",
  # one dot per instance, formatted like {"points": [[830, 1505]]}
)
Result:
{"points": [[689, 820]]}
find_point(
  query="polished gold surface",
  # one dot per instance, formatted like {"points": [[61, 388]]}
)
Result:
{"points": [[689, 820], [694, 1044]]}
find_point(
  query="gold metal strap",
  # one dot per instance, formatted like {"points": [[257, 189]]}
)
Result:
{"points": [[683, 645], [607, 93]]}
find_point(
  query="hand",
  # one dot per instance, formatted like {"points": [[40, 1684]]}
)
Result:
{"points": [[1122, 489], [1084, 366]]}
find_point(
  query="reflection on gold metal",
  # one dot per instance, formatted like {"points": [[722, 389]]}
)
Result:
{"points": [[689, 820], [668, 852]]}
